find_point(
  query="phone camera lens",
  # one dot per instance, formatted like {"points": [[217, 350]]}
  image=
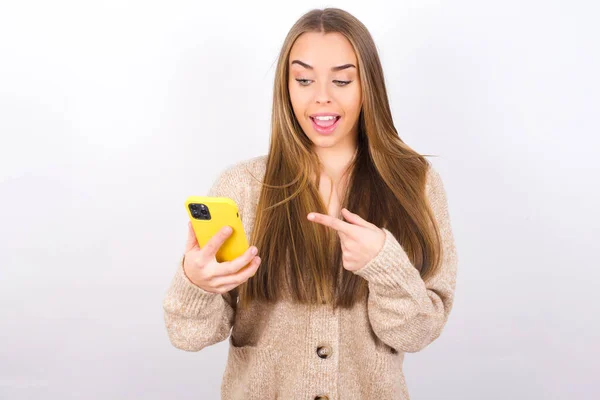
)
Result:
{"points": [[199, 211]]}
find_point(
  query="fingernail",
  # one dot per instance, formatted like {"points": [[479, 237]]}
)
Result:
{"points": [[227, 229], [311, 216], [254, 251]]}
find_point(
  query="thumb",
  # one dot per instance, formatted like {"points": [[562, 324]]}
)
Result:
{"points": [[354, 218], [192, 241]]}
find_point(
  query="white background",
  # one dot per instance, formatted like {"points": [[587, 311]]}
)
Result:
{"points": [[112, 112]]}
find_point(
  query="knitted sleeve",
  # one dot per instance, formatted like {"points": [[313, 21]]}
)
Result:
{"points": [[196, 318], [406, 312]]}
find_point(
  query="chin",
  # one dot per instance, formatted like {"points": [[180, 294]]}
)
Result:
{"points": [[325, 142]]}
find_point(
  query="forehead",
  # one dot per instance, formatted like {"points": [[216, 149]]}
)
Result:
{"points": [[322, 51]]}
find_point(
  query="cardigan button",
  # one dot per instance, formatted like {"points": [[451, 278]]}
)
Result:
{"points": [[322, 398], [324, 351]]}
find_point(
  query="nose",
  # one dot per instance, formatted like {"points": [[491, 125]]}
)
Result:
{"points": [[322, 95]]}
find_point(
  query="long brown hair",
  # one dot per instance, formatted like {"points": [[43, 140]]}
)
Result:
{"points": [[386, 186]]}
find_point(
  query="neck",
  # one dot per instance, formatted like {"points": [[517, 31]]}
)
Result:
{"points": [[335, 160]]}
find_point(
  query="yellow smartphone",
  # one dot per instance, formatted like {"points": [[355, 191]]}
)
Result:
{"points": [[210, 214]]}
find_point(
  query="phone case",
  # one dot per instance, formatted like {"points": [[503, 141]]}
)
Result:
{"points": [[221, 211]]}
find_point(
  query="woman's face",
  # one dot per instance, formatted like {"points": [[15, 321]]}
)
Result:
{"points": [[324, 80]]}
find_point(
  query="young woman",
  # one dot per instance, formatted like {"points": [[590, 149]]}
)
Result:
{"points": [[353, 262]]}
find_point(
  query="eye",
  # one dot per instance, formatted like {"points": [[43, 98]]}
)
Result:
{"points": [[302, 82], [342, 83], [305, 82]]}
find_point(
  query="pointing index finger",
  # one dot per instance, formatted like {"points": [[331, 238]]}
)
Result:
{"points": [[330, 221]]}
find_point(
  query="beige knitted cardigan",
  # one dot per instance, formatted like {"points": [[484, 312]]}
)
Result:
{"points": [[290, 351]]}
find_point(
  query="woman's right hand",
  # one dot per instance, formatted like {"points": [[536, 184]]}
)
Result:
{"points": [[203, 270]]}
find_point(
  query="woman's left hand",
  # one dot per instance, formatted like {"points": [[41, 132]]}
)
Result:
{"points": [[360, 239]]}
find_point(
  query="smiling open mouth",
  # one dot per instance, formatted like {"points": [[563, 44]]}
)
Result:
{"points": [[325, 126]]}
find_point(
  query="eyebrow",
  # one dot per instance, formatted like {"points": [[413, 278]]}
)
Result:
{"points": [[338, 68]]}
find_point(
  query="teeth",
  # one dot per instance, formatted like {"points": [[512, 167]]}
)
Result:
{"points": [[326, 118]]}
